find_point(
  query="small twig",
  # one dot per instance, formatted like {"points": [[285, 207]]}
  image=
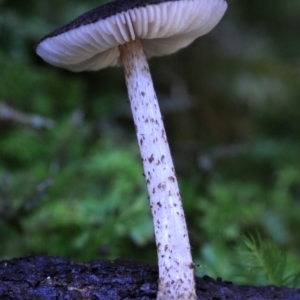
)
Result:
{"points": [[8, 113]]}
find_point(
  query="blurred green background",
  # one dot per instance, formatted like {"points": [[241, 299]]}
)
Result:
{"points": [[71, 180]]}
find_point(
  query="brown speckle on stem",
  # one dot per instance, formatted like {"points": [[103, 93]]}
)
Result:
{"points": [[171, 178], [161, 186], [151, 159]]}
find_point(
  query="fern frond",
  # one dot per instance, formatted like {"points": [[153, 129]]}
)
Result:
{"points": [[263, 259]]}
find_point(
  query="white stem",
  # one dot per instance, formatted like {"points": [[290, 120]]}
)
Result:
{"points": [[176, 269]]}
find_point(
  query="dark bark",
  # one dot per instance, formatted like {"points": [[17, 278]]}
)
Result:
{"points": [[52, 278]]}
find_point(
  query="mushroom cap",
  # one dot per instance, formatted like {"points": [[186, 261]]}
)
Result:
{"points": [[91, 41]]}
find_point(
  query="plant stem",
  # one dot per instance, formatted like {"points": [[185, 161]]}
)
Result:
{"points": [[176, 269]]}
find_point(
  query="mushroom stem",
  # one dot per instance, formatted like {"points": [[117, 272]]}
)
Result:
{"points": [[176, 268]]}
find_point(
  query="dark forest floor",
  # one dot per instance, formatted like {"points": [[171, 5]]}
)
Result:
{"points": [[52, 278]]}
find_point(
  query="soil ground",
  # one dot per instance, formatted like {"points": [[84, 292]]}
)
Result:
{"points": [[53, 278]]}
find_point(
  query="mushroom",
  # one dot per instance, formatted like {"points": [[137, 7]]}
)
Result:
{"points": [[125, 32]]}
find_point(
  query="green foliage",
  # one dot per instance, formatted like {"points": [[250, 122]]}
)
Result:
{"points": [[232, 209], [92, 201]]}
